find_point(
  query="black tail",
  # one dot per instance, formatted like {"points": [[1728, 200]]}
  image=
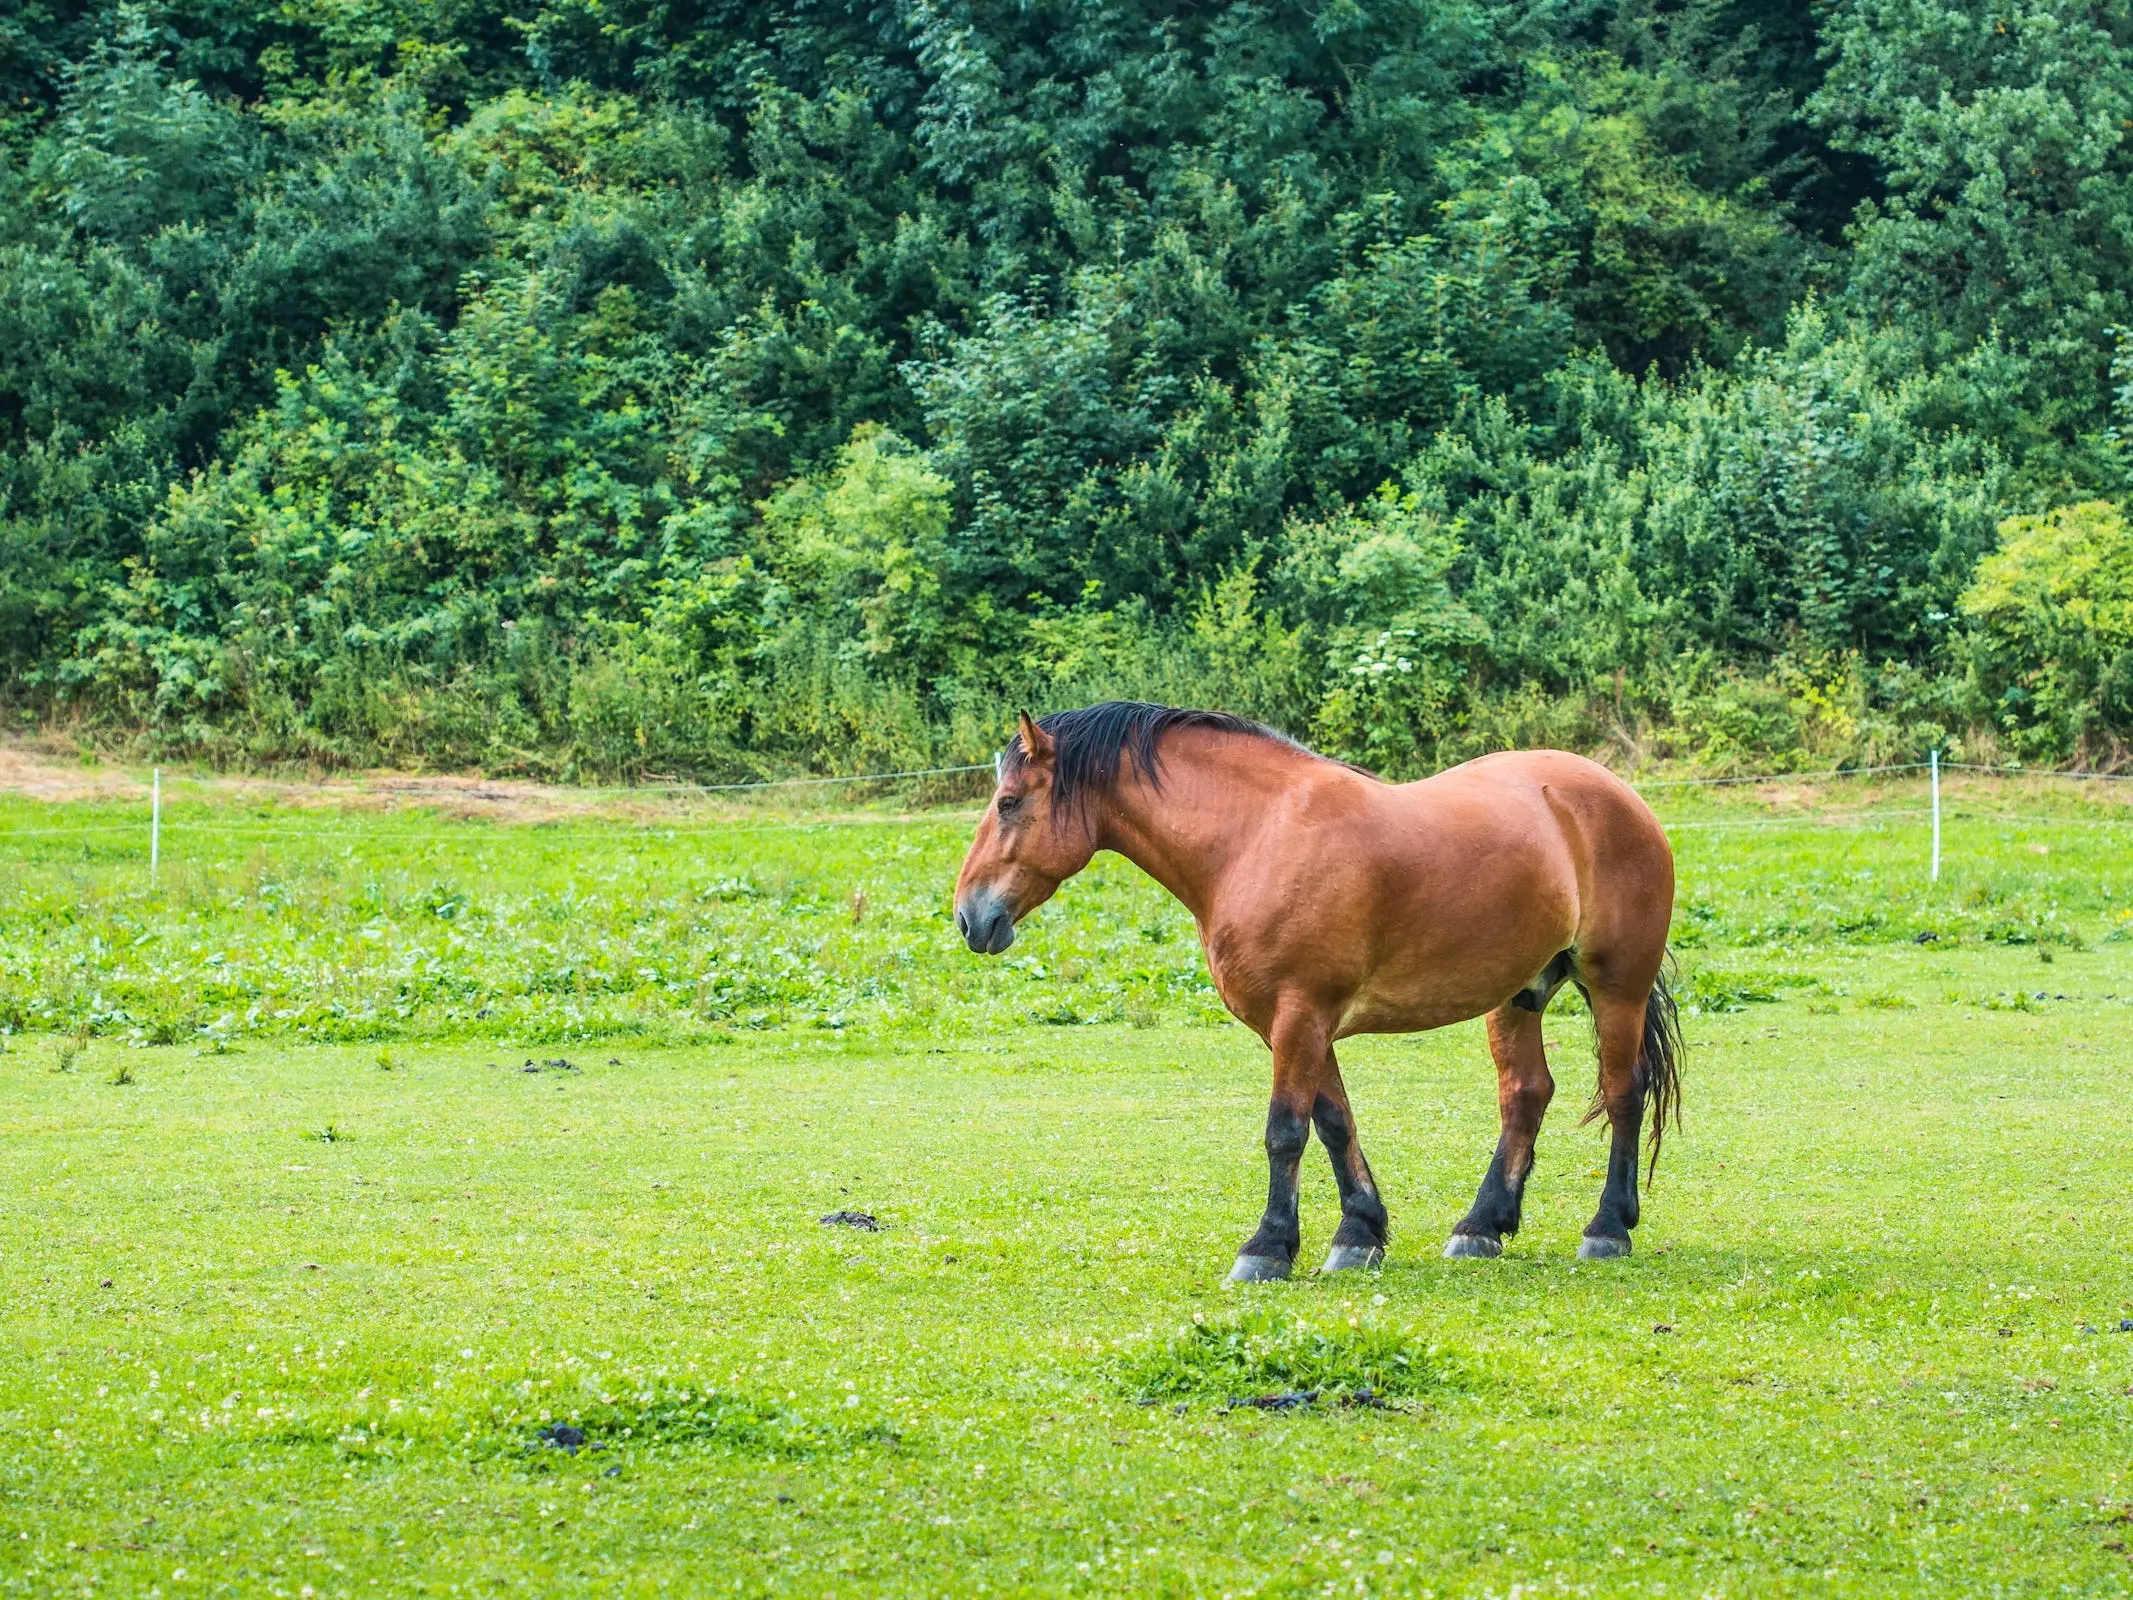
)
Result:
{"points": [[1660, 1063]]}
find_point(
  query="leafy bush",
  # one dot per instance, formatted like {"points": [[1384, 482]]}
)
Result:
{"points": [[2054, 642], [630, 390]]}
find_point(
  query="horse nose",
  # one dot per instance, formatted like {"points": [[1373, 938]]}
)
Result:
{"points": [[985, 925]]}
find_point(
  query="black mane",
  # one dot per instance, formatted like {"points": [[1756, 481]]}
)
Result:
{"points": [[1094, 740]]}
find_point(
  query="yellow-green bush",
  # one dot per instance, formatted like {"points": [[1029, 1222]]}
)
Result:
{"points": [[2052, 611]]}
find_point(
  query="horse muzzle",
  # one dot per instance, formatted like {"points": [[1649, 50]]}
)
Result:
{"points": [[985, 923]]}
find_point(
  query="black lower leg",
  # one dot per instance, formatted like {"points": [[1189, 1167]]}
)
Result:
{"points": [[1618, 1199], [1287, 1132], [1499, 1201], [1363, 1220]]}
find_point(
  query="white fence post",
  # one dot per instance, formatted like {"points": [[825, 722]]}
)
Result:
{"points": [[155, 824], [1933, 763]]}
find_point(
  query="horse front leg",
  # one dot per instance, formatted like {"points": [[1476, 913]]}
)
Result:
{"points": [[1300, 1051], [1364, 1231], [1523, 1090]]}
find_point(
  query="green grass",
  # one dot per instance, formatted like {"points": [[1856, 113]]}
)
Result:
{"points": [[277, 920], [288, 1309]]}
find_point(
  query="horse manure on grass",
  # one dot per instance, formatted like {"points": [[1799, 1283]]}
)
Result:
{"points": [[1293, 1400], [861, 1220], [1297, 1399]]}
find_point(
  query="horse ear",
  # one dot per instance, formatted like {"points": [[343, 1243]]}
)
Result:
{"points": [[1037, 746]]}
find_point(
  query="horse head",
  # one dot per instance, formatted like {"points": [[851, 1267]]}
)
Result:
{"points": [[1026, 846]]}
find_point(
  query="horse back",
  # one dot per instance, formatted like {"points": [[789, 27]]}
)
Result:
{"points": [[1423, 903]]}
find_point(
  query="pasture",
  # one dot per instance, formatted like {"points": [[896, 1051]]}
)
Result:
{"points": [[367, 1155]]}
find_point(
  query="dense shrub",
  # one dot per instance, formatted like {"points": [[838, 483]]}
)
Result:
{"points": [[735, 389], [2053, 646]]}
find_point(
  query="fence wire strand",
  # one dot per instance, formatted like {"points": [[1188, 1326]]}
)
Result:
{"points": [[624, 830]]}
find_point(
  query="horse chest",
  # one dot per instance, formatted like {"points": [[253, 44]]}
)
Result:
{"points": [[1257, 966], [1240, 969]]}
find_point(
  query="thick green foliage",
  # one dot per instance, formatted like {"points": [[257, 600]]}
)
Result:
{"points": [[625, 388], [2054, 641]]}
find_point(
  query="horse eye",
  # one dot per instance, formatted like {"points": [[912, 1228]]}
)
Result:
{"points": [[1010, 804]]}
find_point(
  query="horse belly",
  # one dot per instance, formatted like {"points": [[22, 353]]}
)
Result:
{"points": [[1414, 1007], [1454, 958]]}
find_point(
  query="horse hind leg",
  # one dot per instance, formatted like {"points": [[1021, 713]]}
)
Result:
{"points": [[1523, 1090], [1620, 1025]]}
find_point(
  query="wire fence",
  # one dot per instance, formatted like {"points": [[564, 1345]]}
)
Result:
{"points": [[479, 829], [152, 828], [1827, 774], [492, 788]]}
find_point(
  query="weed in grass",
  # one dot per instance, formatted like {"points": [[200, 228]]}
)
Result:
{"points": [[2020, 1000], [386, 1063], [1704, 992], [1142, 1012], [1714, 990], [1884, 1000], [682, 1420], [122, 1074], [331, 1133], [1246, 1358], [65, 1052]]}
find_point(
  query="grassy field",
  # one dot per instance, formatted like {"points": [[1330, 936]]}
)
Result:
{"points": [[304, 1266]]}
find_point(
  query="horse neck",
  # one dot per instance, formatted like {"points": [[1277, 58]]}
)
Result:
{"points": [[1217, 790]]}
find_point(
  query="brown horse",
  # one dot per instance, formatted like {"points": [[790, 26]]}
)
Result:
{"points": [[1330, 903]]}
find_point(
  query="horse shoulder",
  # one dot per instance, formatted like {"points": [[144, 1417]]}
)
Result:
{"points": [[1287, 924]]}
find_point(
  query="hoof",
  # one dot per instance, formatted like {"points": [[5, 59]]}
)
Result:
{"points": [[1601, 1247], [1345, 1257], [1258, 1269], [1472, 1246]]}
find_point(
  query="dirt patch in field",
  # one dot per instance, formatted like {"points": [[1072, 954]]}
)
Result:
{"points": [[46, 774], [44, 770]]}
